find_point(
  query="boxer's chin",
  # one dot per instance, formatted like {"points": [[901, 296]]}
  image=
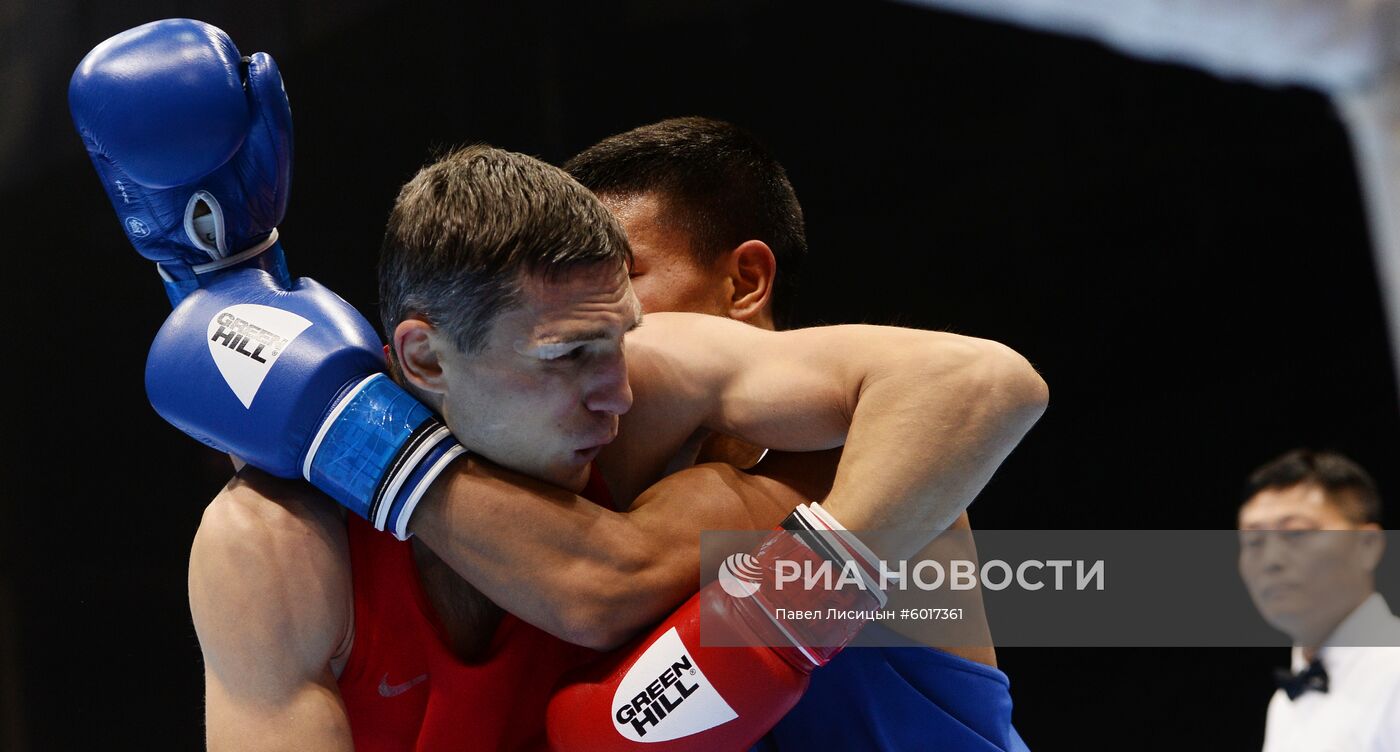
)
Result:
{"points": [[571, 472], [579, 479]]}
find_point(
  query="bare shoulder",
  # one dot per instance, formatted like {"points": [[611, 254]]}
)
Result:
{"points": [[681, 356], [255, 507], [269, 580], [670, 333], [662, 321], [671, 379]]}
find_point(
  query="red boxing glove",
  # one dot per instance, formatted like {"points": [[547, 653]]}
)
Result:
{"points": [[666, 692]]}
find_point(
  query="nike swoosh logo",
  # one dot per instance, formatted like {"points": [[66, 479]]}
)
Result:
{"points": [[394, 690]]}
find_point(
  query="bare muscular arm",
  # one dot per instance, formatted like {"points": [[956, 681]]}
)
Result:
{"points": [[930, 416], [587, 574], [925, 417], [270, 596]]}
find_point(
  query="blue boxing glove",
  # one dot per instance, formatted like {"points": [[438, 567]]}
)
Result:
{"points": [[193, 144], [291, 380]]}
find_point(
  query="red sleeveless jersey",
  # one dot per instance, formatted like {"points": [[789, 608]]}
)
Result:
{"points": [[405, 690]]}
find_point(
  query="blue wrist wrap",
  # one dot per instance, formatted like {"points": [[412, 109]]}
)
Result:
{"points": [[377, 452]]}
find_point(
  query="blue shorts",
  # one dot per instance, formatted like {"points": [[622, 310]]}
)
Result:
{"points": [[882, 698]]}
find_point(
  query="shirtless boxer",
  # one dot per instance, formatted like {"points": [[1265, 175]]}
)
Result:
{"points": [[716, 228], [271, 586]]}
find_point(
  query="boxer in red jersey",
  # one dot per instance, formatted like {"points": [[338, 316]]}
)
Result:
{"points": [[925, 417], [401, 642]]}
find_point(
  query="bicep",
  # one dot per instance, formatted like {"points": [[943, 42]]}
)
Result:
{"points": [[785, 390], [671, 515], [713, 496], [798, 390], [720, 496], [717, 496]]}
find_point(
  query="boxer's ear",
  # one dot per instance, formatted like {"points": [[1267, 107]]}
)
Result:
{"points": [[753, 269], [418, 360]]}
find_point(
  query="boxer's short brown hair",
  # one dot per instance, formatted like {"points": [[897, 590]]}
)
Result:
{"points": [[466, 231]]}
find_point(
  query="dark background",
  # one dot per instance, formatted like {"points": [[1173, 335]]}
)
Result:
{"points": [[1185, 259]]}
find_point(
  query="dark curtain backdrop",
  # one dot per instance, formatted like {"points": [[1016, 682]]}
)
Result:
{"points": [[1184, 258]]}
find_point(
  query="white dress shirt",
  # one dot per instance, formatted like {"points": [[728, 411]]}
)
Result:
{"points": [[1360, 712]]}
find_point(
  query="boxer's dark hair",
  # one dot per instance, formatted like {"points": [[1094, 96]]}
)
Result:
{"points": [[1349, 487], [717, 183], [467, 230]]}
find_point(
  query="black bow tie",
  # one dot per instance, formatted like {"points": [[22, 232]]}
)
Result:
{"points": [[1314, 678]]}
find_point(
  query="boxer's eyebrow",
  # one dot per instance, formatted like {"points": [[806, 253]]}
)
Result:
{"points": [[587, 335], [549, 345]]}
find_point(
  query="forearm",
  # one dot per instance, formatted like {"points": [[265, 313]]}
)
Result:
{"points": [[584, 573], [532, 548], [811, 476], [929, 428]]}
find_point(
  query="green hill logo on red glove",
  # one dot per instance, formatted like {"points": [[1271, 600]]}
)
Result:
{"points": [[666, 696], [246, 339]]}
